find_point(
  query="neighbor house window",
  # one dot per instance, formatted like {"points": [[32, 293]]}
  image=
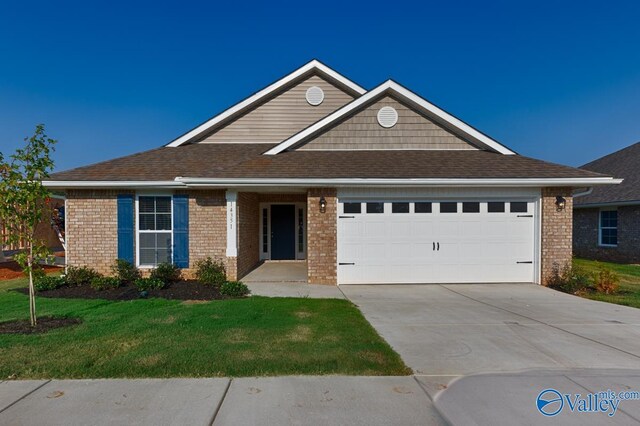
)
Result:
{"points": [[609, 228], [155, 230]]}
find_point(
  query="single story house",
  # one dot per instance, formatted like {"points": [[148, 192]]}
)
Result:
{"points": [[365, 186], [606, 223]]}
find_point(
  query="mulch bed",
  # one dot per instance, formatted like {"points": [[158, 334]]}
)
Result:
{"points": [[44, 324], [11, 270], [183, 290]]}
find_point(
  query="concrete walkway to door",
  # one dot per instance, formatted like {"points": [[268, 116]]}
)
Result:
{"points": [[462, 329]]}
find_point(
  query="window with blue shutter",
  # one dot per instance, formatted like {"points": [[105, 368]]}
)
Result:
{"points": [[125, 227], [181, 231]]}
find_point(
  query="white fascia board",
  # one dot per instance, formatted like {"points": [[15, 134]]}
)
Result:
{"points": [[72, 184], [391, 85], [314, 64], [354, 182]]}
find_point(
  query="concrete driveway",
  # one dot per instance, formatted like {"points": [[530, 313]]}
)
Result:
{"points": [[461, 329]]}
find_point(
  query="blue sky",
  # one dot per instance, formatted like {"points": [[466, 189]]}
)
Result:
{"points": [[558, 81]]}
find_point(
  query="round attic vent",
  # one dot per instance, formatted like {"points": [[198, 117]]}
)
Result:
{"points": [[387, 117], [314, 95]]}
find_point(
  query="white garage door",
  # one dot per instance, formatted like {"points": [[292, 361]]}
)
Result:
{"points": [[435, 241]]}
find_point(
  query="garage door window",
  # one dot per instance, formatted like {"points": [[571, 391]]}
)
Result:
{"points": [[400, 208], [375, 207], [352, 208], [518, 207], [448, 207], [495, 207], [422, 207], [470, 207]]}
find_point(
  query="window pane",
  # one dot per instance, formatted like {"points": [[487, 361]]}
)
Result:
{"points": [[609, 236], [495, 207], [609, 219], [375, 207], [147, 256], [518, 207], [163, 241], [470, 207], [163, 222], [422, 207], [164, 255], [400, 207], [147, 240], [265, 227], [147, 222], [353, 207], [300, 230], [163, 204], [448, 207], [146, 204]]}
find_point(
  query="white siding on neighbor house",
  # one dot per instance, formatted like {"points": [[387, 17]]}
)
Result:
{"points": [[281, 116]]}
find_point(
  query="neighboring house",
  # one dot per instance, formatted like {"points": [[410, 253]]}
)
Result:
{"points": [[377, 186], [606, 223]]}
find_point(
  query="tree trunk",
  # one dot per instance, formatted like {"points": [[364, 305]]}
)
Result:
{"points": [[32, 293]]}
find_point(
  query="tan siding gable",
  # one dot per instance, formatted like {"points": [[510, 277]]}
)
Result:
{"points": [[282, 116], [362, 132]]}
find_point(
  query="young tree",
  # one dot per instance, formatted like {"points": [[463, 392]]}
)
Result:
{"points": [[22, 202]]}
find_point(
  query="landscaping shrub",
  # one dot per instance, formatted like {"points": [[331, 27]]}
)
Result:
{"points": [[568, 279], [606, 281], [47, 282], [211, 272], [105, 283], [167, 273], [126, 272], [77, 276], [144, 284], [234, 289]]}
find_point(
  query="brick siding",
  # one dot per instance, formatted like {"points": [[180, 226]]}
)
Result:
{"points": [[248, 233], [91, 225], [585, 235], [322, 237], [556, 230]]}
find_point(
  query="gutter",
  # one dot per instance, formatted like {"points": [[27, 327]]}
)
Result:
{"points": [[587, 191], [193, 182]]}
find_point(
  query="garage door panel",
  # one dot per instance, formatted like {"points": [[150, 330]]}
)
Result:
{"points": [[436, 247]]}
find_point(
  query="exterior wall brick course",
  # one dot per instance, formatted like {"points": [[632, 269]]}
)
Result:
{"points": [[556, 231], [322, 234]]}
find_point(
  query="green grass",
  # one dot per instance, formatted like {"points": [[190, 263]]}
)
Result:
{"points": [[629, 292], [256, 336]]}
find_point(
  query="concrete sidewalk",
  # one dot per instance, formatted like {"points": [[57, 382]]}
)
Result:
{"points": [[485, 399], [324, 400]]}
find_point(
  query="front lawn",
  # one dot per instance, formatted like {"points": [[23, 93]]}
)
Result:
{"points": [[256, 336], [629, 292]]}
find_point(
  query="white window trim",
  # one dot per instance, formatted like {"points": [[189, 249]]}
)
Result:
{"points": [[300, 255], [139, 231], [600, 227]]}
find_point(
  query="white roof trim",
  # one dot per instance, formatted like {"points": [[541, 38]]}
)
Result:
{"points": [[314, 64], [187, 182], [390, 85]]}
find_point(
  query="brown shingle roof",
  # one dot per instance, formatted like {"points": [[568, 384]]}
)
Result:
{"points": [[246, 161], [623, 164]]}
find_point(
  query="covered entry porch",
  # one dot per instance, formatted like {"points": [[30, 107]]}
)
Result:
{"points": [[279, 236]]}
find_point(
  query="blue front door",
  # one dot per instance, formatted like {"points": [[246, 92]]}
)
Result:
{"points": [[283, 232]]}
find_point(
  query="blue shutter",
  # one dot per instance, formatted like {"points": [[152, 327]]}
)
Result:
{"points": [[181, 231], [125, 227]]}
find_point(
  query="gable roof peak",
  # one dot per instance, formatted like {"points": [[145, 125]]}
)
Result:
{"points": [[241, 107], [404, 94]]}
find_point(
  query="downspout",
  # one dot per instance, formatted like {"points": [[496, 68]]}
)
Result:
{"points": [[587, 191]]}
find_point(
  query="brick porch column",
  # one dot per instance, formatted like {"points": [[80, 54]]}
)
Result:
{"points": [[322, 237], [556, 232]]}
